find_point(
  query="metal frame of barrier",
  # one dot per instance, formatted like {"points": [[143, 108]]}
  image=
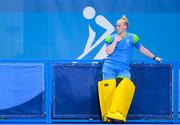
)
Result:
{"points": [[48, 65]]}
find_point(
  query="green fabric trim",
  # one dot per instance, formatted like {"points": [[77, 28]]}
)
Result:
{"points": [[135, 38], [108, 39], [125, 34], [120, 77]]}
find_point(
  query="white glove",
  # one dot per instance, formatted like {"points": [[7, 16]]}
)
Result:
{"points": [[157, 59]]}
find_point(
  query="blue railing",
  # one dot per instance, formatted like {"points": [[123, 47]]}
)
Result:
{"points": [[48, 64]]}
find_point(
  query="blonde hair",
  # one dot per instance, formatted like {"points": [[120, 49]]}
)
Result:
{"points": [[124, 20]]}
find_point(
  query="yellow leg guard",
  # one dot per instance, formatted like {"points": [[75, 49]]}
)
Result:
{"points": [[105, 90], [121, 100]]}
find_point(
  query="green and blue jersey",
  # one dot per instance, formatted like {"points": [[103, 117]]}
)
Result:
{"points": [[117, 64], [123, 50]]}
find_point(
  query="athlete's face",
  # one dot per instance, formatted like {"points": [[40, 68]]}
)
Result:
{"points": [[121, 27]]}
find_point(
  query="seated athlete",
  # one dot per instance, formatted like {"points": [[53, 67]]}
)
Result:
{"points": [[116, 100]]}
